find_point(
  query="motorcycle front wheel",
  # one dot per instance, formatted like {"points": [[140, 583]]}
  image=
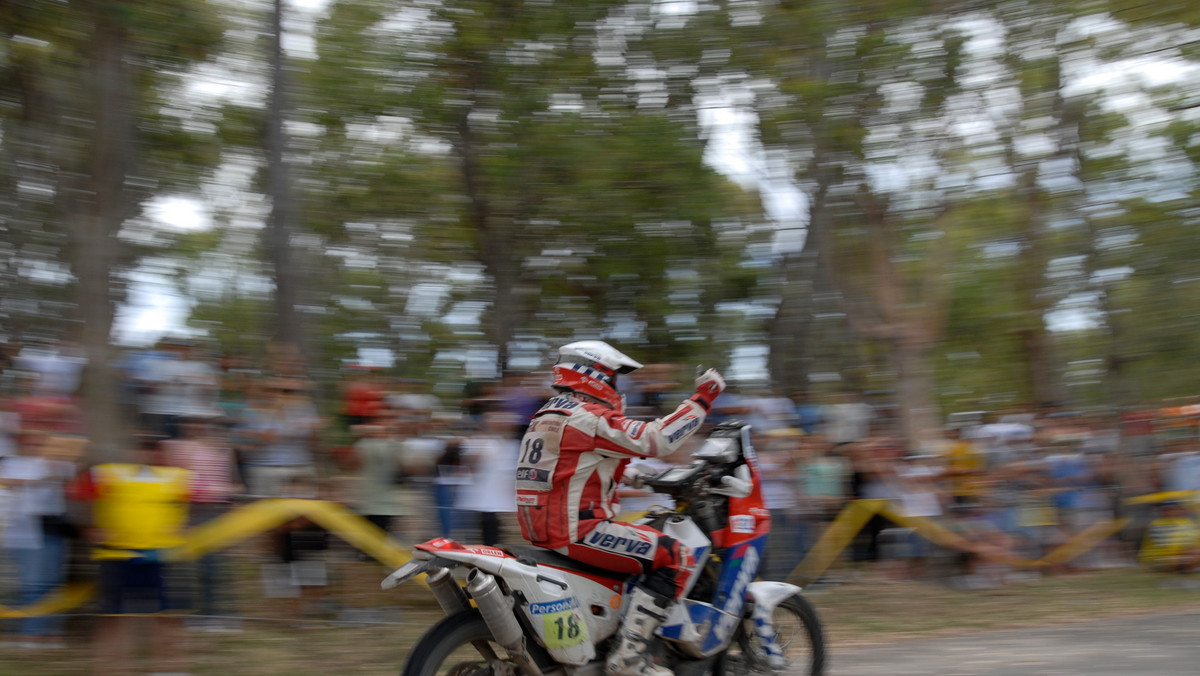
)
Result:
{"points": [[798, 634], [459, 645]]}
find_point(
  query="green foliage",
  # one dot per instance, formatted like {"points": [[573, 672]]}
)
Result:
{"points": [[547, 161], [544, 177]]}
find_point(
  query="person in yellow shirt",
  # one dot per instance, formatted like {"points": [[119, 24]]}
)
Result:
{"points": [[1172, 542], [139, 513], [965, 467]]}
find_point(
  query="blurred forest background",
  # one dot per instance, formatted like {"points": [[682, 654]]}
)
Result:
{"points": [[955, 206]]}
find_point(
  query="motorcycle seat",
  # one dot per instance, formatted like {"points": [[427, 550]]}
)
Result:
{"points": [[549, 557]]}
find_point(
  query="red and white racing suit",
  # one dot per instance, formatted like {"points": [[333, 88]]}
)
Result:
{"points": [[572, 458]]}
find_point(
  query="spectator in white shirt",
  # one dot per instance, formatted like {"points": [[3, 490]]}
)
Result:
{"points": [[491, 457]]}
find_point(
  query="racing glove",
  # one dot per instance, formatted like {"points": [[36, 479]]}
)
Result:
{"points": [[635, 476], [709, 385]]}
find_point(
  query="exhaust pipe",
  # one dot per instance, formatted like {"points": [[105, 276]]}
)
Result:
{"points": [[449, 594], [497, 611]]}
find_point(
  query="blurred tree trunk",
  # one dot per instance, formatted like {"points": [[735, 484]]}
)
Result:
{"points": [[496, 237], [282, 223], [796, 343], [1044, 383], [905, 310], [808, 278], [95, 219], [1042, 96], [789, 331]]}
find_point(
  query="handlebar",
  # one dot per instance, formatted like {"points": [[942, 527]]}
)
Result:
{"points": [[679, 480]]}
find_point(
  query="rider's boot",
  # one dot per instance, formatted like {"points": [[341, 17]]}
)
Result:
{"points": [[631, 656]]}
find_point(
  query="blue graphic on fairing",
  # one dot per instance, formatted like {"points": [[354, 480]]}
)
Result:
{"points": [[716, 621]]}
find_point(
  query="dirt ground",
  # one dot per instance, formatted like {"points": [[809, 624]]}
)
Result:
{"points": [[355, 628]]}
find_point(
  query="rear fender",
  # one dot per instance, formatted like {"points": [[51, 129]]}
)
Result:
{"points": [[488, 559], [418, 566]]}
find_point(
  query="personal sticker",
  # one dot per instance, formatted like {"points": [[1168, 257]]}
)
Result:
{"points": [[563, 625]]}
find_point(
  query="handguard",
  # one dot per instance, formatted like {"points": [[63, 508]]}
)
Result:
{"points": [[738, 486]]}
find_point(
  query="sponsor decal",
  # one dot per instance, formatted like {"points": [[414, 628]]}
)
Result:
{"points": [[550, 607], [741, 523], [532, 474], [615, 601], [621, 545], [733, 603], [546, 425], [560, 403], [690, 423], [563, 625], [760, 512], [527, 500], [686, 556], [486, 551], [633, 427]]}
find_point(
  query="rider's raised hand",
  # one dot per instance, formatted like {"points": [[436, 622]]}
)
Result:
{"points": [[709, 385]]}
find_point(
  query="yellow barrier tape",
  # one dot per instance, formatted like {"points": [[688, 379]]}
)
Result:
{"points": [[1083, 541], [855, 515], [62, 599], [258, 517], [238, 525], [835, 538], [357, 531], [938, 534], [1152, 498]]}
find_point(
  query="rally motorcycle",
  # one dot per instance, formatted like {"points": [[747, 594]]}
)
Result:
{"points": [[530, 611]]}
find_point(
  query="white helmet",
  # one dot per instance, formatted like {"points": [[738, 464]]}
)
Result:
{"points": [[591, 367]]}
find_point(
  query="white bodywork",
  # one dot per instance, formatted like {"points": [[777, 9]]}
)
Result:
{"points": [[569, 612]]}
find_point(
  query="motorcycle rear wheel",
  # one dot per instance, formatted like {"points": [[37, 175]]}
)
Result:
{"points": [[453, 646], [798, 634]]}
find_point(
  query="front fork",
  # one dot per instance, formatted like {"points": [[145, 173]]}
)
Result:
{"points": [[765, 597]]}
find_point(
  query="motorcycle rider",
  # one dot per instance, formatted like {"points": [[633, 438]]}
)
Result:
{"points": [[573, 457]]}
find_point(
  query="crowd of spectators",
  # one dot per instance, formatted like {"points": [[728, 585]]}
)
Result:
{"points": [[1009, 487], [1012, 486]]}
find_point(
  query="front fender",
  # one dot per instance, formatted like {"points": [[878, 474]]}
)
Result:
{"points": [[767, 595]]}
